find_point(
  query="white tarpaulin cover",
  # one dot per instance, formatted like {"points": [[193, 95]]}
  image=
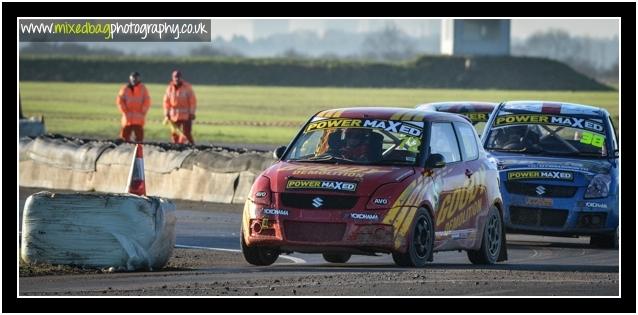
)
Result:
{"points": [[123, 231]]}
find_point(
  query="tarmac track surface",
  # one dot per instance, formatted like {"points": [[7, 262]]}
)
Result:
{"points": [[536, 266]]}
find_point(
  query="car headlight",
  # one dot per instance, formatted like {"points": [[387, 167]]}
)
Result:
{"points": [[260, 193], [598, 187]]}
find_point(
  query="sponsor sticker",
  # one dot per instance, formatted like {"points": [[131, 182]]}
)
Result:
{"points": [[592, 204], [260, 194], [364, 216], [540, 174], [477, 117], [275, 211], [328, 170], [388, 125], [380, 201], [541, 119], [320, 184], [412, 144], [544, 202]]}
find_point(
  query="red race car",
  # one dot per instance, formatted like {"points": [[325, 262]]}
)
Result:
{"points": [[377, 180]]}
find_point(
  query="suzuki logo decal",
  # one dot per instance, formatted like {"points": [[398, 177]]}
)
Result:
{"points": [[317, 202], [540, 190]]}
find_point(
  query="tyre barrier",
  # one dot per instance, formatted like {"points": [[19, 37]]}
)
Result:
{"points": [[202, 173], [123, 231]]}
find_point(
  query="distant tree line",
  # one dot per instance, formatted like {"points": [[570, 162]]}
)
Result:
{"points": [[593, 57], [69, 49], [516, 73]]}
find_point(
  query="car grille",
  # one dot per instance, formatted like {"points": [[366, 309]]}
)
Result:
{"points": [[538, 217], [550, 190], [307, 201], [313, 231]]}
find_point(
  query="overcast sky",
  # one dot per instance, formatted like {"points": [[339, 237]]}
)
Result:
{"points": [[521, 28], [595, 28]]}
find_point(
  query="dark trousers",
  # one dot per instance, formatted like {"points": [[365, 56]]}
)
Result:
{"points": [[186, 126], [126, 131]]}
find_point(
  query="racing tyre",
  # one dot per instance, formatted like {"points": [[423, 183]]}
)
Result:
{"points": [[259, 256], [420, 242], [492, 240], [337, 258], [605, 241]]}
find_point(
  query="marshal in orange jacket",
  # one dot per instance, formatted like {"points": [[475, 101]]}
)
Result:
{"points": [[179, 102], [133, 102]]}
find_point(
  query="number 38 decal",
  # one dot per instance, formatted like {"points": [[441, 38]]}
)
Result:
{"points": [[593, 139]]}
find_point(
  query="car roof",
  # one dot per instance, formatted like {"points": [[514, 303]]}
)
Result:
{"points": [[550, 107], [389, 113], [459, 106]]}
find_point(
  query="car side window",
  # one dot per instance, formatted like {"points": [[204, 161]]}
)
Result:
{"points": [[443, 141], [469, 147]]}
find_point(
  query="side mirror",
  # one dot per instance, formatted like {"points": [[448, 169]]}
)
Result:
{"points": [[279, 152], [617, 153], [435, 161]]}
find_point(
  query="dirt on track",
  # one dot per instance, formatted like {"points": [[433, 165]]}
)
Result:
{"points": [[194, 272], [236, 278]]}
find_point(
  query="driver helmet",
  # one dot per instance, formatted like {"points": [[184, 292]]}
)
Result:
{"points": [[356, 136], [509, 134]]}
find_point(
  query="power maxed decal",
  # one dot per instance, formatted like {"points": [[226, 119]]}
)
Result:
{"points": [[388, 125], [477, 117], [541, 119], [320, 184], [537, 174]]}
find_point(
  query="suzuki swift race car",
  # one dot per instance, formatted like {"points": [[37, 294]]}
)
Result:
{"points": [[477, 112], [377, 180], [558, 166]]}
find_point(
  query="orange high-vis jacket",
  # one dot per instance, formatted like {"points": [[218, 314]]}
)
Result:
{"points": [[134, 104], [179, 103]]}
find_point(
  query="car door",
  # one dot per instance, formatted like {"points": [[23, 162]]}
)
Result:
{"points": [[443, 140], [472, 211]]}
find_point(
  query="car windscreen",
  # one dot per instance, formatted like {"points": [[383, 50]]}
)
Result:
{"points": [[479, 120], [547, 134], [358, 141]]}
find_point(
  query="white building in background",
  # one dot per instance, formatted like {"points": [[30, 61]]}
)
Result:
{"points": [[475, 37]]}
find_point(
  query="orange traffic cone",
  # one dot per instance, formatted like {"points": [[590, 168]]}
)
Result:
{"points": [[136, 184]]}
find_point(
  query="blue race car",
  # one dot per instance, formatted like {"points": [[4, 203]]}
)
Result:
{"points": [[558, 168]]}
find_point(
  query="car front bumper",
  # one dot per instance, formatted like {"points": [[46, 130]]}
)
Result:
{"points": [[560, 216]]}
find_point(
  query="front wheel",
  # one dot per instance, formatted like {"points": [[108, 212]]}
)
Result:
{"points": [[491, 242], [420, 242], [259, 256], [605, 241]]}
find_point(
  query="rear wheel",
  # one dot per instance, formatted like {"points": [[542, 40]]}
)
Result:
{"points": [[605, 241], [259, 256], [491, 241], [420, 242], [337, 258]]}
